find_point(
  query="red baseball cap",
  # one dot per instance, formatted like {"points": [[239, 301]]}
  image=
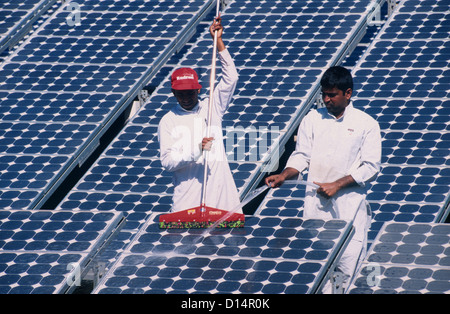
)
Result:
{"points": [[185, 78]]}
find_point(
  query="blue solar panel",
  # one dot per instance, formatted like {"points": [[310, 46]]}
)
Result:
{"points": [[418, 25], [143, 5], [402, 83], [34, 138], [42, 251], [28, 171], [20, 106], [418, 6], [118, 24], [25, 230], [91, 50], [404, 54], [38, 272], [270, 255], [407, 258], [295, 7], [70, 77]]}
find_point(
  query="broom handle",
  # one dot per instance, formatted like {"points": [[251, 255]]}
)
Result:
{"points": [[211, 100]]}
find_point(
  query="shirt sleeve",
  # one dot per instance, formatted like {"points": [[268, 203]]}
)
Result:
{"points": [[301, 156], [175, 151], [224, 91], [370, 163]]}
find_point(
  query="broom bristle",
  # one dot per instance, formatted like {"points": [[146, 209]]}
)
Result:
{"points": [[200, 225], [196, 219]]}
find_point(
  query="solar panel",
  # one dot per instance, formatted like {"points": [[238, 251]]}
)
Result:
{"points": [[39, 272], [43, 251], [407, 258], [401, 82], [269, 255]]}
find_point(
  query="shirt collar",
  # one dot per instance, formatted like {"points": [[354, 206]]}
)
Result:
{"points": [[347, 111], [181, 110]]}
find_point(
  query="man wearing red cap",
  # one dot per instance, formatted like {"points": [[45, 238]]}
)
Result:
{"points": [[181, 134]]}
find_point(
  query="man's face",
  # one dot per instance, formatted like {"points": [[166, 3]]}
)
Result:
{"points": [[187, 98], [336, 100]]}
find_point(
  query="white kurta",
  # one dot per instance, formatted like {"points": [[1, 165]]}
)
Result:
{"points": [[180, 134], [331, 149]]}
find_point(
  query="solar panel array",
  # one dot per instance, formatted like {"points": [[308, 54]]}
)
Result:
{"points": [[65, 86], [279, 68], [270, 255], [402, 81], [60, 91], [49, 251]]}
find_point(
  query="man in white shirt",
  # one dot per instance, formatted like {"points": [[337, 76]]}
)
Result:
{"points": [[341, 148], [182, 137]]}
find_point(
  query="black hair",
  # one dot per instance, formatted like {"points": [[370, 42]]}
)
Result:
{"points": [[338, 77]]}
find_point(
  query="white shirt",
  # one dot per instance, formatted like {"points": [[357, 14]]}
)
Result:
{"points": [[331, 149], [180, 134]]}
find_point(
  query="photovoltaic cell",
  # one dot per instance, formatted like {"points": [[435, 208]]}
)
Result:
{"points": [[124, 25], [143, 5], [70, 78], [20, 106], [92, 50], [418, 25]]}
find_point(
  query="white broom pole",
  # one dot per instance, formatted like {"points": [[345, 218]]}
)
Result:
{"points": [[211, 100]]}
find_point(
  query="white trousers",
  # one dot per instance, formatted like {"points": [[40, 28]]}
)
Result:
{"points": [[350, 261]]}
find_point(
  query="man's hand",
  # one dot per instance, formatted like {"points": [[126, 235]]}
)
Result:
{"points": [[216, 27], [277, 180], [207, 143], [327, 190]]}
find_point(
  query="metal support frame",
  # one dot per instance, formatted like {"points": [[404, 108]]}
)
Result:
{"points": [[391, 6]]}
